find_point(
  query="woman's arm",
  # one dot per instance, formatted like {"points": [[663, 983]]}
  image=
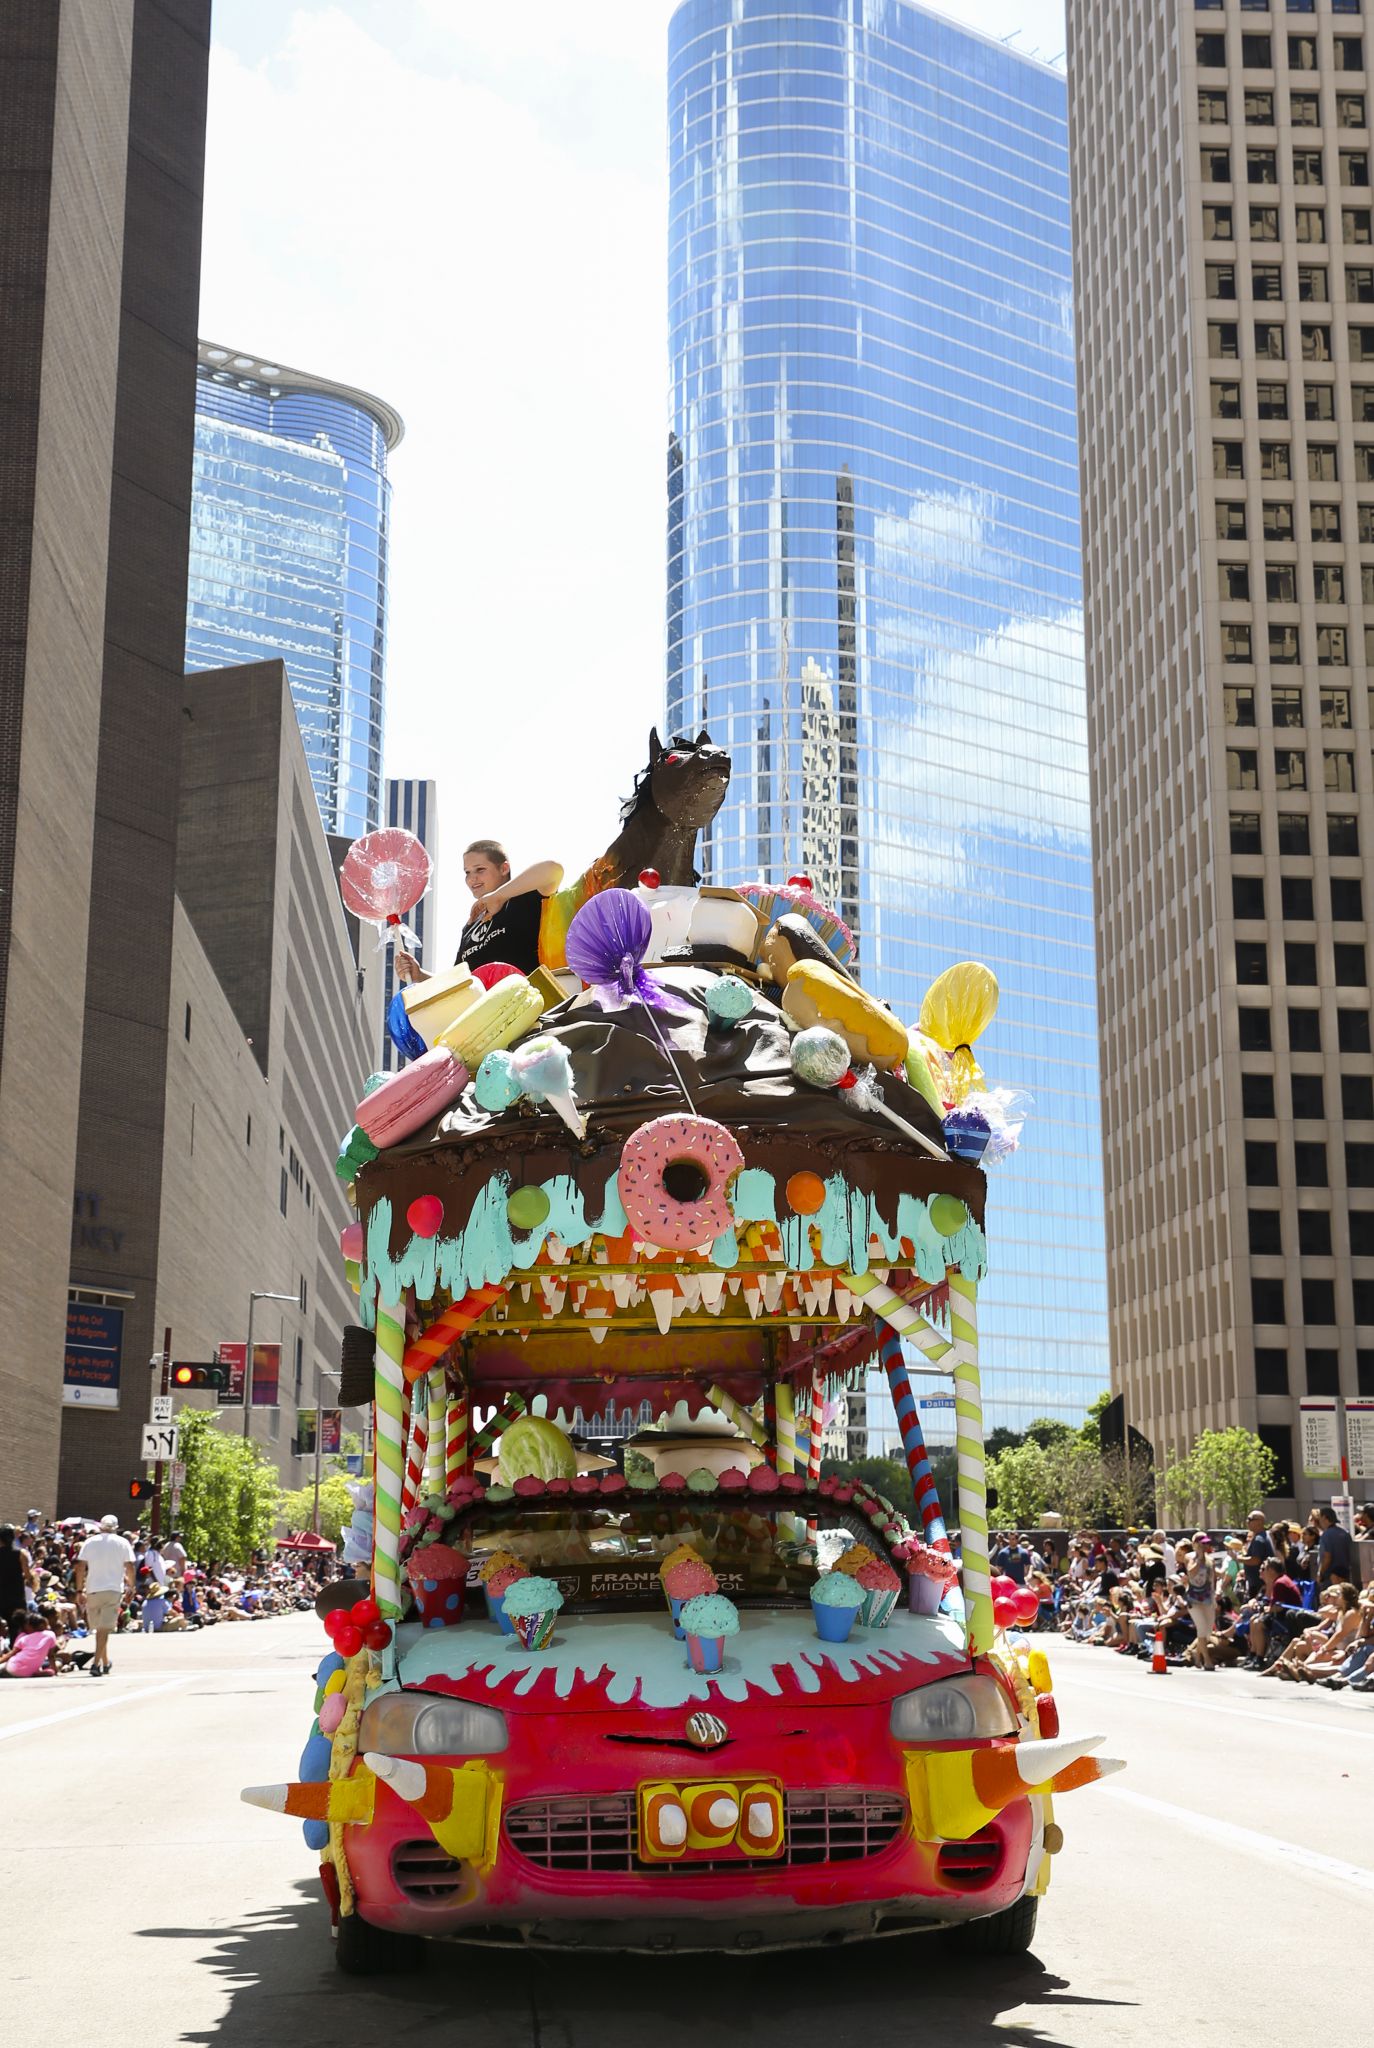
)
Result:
{"points": [[542, 877]]}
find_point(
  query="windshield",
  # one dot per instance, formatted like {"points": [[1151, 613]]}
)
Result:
{"points": [[609, 1555]]}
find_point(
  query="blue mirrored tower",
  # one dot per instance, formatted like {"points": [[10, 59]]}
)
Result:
{"points": [[874, 594], [289, 527]]}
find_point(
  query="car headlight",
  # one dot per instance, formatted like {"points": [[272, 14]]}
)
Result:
{"points": [[953, 1710], [418, 1724]]}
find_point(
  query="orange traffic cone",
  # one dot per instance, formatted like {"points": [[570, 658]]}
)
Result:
{"points": [[1159, 1662]]}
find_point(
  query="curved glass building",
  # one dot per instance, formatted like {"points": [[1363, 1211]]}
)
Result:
{"points": [[874, 586], [289, 523]]}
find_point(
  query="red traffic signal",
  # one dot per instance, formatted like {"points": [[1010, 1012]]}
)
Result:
{"points": [[141, 1489], [200, 1376]]}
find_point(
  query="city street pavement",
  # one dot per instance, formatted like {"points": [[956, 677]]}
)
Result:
{"points": [[1224, 1880]]}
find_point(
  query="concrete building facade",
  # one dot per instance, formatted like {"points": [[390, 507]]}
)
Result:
{"points": [[1224, 261]]}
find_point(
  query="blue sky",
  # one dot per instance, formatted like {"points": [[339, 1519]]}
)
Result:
{"points": [[461, 205]]}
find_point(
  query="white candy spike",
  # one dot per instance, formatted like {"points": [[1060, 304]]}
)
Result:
{"points": [[672, 1826], [406, 1779], [734, 1281], [272, 1798], [596, 1330], [844, 1301], [772, 1290], [758, 1819], [526, 1287], [570, 1113], [823, 1290], [712, 1287], [753, 1301], [723, 1813], [662, 1299], [1038, 1762], [690, 1284], [794, 1331]]}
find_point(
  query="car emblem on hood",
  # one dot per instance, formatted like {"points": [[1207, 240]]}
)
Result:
{"points": [[706, 1731]]}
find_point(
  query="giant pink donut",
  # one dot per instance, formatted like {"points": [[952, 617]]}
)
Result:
{"points": [[665, 1219]]}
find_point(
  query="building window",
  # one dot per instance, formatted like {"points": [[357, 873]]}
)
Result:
{"points": [[1321, 462], [1218, 223], [1228, 459], [1267, 1302], [1299, 964], [1323, 1367], [248, 1135], [1225, 401], [1354, 167], [1304, 1031], [1338, 772], [1271, 401], [1238, 704], [1352, 1030], [1294, 837], [285, 1183], [1318, 1301], [1264, 223], [188, 1022], [1304, 110], [1235, 581], [1307, 166], [1309, 224], [1325, 522], [1257, 1095], [1278, 522], [1216, 166], [1357, 1098], [1357, 226], [1302, 52], [1342, 833], [1230, 520], [1278, 1436], [1332, 653], [1266, 281], [1347, 53], [1335, 710], [1364, 464], [1361, 344], [1252, 962], [1266, 1234], [1242, 769], [1283, 653], [1255, 1034], [1211, 106], [1316, 342], [1235, 642], [1269, 342], [1256, 53], [1359, 1165], [1309, 1164], [1295, 893], [1350, 968], [1350, 110], [1245, 831], [1262, 1163], [1314, 1233], [1312, 284], [1221, 280], [1247, 896], [1211, 52], [1307, 1093], [1328, 583], [1359, 283], [1271, 1370], [1223, 340], [1347, 899], [1276, 462], [1319, 401]]}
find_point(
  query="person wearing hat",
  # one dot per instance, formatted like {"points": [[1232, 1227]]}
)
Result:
{"points": [[104, 1574], [1200, 1586], [1151, 1565]]}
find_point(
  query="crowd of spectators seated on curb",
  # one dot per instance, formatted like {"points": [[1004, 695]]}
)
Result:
{"points": [[54, 1619], [1281, 1600]]}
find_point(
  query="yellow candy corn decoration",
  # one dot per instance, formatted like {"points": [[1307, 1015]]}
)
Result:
{"points": [[958, 1009]]}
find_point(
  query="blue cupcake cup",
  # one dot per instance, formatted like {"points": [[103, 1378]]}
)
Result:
{"points": [[833, 1624], [496, 1608]]}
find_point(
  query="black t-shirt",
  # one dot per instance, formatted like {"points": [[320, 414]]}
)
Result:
{"points": [[1257, 1549], [1012, 1561], [511, 935], [1336, 1548]]}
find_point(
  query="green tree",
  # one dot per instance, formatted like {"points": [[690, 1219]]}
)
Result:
{"points": [[1091, 1431], [1129, 1488], [230, 1499], [1179, 1490], [1047, 1430], [1001, 1439], [336, 1508], [1076, 1480], [1022, 1481], [1233, 1471]]}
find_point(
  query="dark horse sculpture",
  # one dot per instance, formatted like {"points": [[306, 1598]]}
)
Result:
{"points": [[677, 795]]}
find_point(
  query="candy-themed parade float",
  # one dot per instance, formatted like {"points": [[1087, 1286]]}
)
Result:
{"points": [[709, 1700]]}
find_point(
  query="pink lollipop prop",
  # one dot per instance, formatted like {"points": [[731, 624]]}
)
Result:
{"points": [[384, 874]]}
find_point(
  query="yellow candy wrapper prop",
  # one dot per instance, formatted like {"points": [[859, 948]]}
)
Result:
{"points": [[959, 1006]]}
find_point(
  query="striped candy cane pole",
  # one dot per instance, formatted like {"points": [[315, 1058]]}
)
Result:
{"points": [[813, 1453], [732, 1410], [973, 1478], [913, 1439], [456, 1439], [417, 1446], [787, 1427], [437, 1405], [446, 1329], [907, 1321], [486, 1436], [388, 1466]]}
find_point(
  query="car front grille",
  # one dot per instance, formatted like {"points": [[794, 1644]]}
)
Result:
{"points": [[973, 1865], [595, 1835], [425, 1872]]}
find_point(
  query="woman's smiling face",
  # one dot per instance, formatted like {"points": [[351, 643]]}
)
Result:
{"points": [[483, 874]]}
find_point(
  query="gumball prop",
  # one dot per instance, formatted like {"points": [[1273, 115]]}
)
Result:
{"points": [[348, 1639], [383, 875], [1026, 1601]]}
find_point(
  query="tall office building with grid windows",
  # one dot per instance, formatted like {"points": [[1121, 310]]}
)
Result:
{"points": [[873, 560], [1224, 257]]}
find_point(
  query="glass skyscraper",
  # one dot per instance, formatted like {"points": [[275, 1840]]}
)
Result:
{"points": [[874, 593], [289, 526]]}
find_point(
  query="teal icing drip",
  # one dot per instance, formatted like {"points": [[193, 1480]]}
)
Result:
{"points": [[567, 1217], [725, 1251], [612, 1222], [968, 1250], [754, 1196], [484, 1251], [378, 1262], [796, 1243], [913, 1223], [845, 1219]]}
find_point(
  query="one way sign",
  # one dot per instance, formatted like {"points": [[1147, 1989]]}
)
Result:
{"points": [[159, 1441]]}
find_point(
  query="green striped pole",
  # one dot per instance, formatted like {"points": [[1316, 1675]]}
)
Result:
{"points": [[388, 1458], [903, 1318], [438, 1431], [973, 1475]]}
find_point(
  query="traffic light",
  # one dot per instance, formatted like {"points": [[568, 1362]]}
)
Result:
{"points": [[215, 1376], [141, 1489]]}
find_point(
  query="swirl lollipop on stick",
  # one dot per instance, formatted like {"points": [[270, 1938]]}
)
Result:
{"points": [[383, 875]]}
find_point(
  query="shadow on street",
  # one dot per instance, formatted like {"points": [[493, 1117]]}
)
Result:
{"points": [[278, 1972]]}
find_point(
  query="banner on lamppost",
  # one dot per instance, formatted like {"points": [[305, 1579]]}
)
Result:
{"points": [[266, 1374], [1321, 1436], [1359, 1437]]}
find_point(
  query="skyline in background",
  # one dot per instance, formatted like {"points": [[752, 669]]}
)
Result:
{"points": [[875, 598], [533, 386]]}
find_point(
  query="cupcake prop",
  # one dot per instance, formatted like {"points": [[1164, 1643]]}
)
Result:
{"points": [[685, 1580], [880, 1586], [438, 1577], [707, 1620], [929, 1575], [835, 1602], [504, 1567], [531, 1606], [852, 1561]]}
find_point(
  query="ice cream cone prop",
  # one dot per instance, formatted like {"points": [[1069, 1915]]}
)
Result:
{"points": [[434, 1462], [342, 1799], [954, 1793], [444, 1332], [463, 1806], [731, 1409], [975, 1571], [388, 1453], [456, 1419], [913, 1439]]}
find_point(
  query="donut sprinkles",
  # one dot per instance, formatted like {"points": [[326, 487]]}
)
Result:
{"points": [[674, 1181]]}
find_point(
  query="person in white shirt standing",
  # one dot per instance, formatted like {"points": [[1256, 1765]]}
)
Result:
{"points": [[104, 1573]]}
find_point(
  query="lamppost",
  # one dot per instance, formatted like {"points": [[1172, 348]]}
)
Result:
{"points": [[253, 1301], [321, 1375]]}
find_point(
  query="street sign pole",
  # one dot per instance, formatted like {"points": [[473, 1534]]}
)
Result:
{"points": [[155, 1523]]}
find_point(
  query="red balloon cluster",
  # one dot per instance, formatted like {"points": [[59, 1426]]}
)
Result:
{"points": [[1012, 1603], [350, 1629]]}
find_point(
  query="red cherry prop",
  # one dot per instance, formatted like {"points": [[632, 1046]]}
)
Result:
{"points": [[1026, 1601], [1004, 1588], [377, 1635], [799, 882], [425, 1215], [849, 1080], [649, 878], [335, 1620], [348, 1640], [364, 1612], [1004, 1612], [1047, 1715]]}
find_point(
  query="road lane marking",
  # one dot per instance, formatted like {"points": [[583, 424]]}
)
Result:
{"points": [[1249, 1840], [1295, 1724], [109, 1699]]}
